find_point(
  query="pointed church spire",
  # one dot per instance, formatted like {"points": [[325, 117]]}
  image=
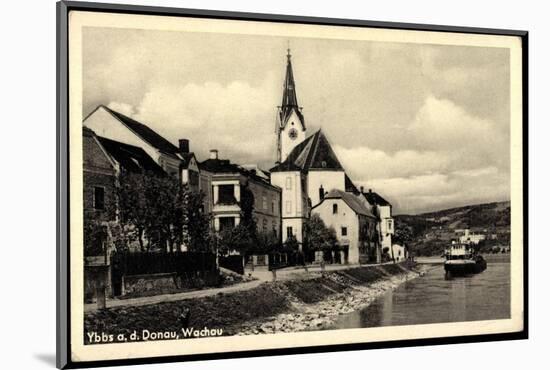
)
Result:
{"points": [[290, 101], [289, 92], [291, 127]]}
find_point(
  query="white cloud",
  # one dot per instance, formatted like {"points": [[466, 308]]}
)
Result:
{"points": [[440, 123], [439, 191], [124, 108], [212, 115], [364, 162]]}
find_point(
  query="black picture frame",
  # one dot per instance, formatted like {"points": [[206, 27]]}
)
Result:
{"points": [[63, 280]]}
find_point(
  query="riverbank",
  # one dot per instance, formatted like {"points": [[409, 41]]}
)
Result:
{"points": [[312, 301], [359, 288]]}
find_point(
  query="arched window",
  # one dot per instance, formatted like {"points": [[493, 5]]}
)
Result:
{"points": [[334, 208]]}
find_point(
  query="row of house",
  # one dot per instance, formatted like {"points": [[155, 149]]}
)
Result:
{"points": [[307, 178], [113, 142]]}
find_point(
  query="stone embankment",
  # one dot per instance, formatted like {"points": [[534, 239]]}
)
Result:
{"points": [[310, 301], [352, 290]]}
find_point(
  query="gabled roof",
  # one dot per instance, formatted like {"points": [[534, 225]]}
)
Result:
{"points": [[131, 158], [375, 198], [356, 202], [90, 160], [146, 133], [186, 159], [314, 153]]}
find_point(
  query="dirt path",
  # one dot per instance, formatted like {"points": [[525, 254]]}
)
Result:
{"points": [[142, 301], [262, 274]]}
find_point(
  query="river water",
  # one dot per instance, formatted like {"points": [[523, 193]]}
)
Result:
{"points": [[432, 299]]}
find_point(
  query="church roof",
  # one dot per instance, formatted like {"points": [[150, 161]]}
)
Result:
{"points": [[356, 202], [314, 153], [350, 186], [146, 133], [131, 158]]}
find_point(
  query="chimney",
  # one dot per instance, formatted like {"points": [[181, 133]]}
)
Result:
{"points": [[362, 189], [213, 153], [370, 190], [184, 145]]}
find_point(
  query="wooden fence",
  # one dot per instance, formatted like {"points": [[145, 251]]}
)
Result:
{"points": [[143, 263]]}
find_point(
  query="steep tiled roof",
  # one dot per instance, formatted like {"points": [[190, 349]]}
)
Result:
{"points": [[315, 152], [146, 133], [375, 198], [350, 186], [130, 157], [356, 202]]}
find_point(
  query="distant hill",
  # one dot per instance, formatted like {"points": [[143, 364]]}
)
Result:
{"points": [[432, 231]]}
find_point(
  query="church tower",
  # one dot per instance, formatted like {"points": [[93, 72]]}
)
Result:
{"points": [[291, 127]]}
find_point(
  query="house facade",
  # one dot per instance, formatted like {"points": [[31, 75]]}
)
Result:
{"points": [[399, 252], [351, 217], [383, 211], [99, 179], [227, 184]]}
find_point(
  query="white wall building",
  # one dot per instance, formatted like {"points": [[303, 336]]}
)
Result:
{"points": [[399, 252], [351, 217], [386, 225]]}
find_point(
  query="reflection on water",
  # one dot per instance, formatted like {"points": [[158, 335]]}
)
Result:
{"points": [[432, 299]]}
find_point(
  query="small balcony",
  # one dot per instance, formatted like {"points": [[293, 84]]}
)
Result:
{"points": [[226, 198]]}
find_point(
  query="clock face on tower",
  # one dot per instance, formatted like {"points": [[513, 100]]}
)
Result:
{"points": [[293, 134]]}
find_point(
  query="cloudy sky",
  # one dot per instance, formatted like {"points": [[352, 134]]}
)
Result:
{"points": [[426, 126]]}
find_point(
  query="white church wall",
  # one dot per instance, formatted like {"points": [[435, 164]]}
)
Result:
{"points": [[297, 228], [291, 200], [328, 179], [292, 207]]}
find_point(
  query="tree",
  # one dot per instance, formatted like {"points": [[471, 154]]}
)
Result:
{"points": [[95, 236], [319, 236], [237, 238], [132, 201], [247, 211], [291, 244], [404, 235], [154, 206], [195, 224], [266, 242]]}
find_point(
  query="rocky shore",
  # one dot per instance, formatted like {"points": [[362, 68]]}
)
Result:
{"points": [[321, 315], [308, 301]]}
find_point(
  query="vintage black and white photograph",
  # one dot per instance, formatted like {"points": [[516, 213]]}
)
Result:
{"points": [[253, 185]]}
